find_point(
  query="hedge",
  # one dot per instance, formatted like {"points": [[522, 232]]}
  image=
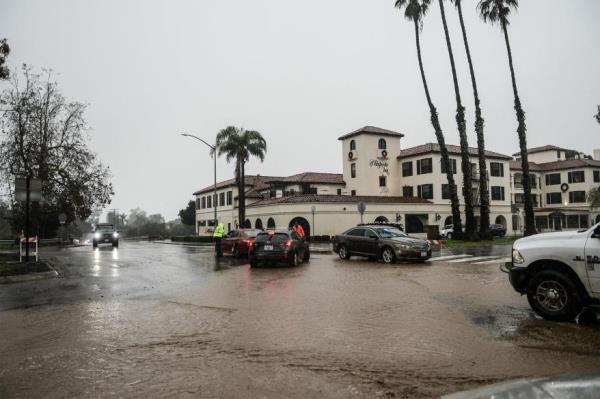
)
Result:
{"points": [[192, 239]]}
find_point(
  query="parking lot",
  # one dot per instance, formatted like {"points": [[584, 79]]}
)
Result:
{"points": [[152, 320]]}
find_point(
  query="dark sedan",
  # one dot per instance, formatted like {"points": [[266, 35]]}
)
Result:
{"points": [[381, 242], [279, 245], [497, 230]]}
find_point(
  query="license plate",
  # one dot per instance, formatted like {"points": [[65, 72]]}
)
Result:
{"points": [[268, 247], [106, 240], [423, 254]]}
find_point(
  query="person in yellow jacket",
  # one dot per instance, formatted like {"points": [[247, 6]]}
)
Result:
{"points": [[218, 236]]}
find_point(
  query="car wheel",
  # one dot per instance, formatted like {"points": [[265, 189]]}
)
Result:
{"points": [[554, 296], [95, 244], [235, 252], [343, 252], [449, 236], [388, 255], [293, 260], [306, 257]]}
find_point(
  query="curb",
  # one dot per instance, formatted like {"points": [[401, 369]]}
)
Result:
{"points": [[28, 277]]}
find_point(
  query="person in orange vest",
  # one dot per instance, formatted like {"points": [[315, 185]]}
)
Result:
{"points": [[299, 230]]}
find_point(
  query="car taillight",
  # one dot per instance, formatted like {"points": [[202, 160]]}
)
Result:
{"points": [[247, 242], [288, 243]]}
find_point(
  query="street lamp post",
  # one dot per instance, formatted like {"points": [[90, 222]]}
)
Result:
{"points": [[214, 154]]}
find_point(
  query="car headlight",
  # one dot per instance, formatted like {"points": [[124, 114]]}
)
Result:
{"points": [[403, 246], [97, 235], [517, 257], [115, 234]]}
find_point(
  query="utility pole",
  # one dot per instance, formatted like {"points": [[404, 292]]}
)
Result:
{"points": [[116, 218]]}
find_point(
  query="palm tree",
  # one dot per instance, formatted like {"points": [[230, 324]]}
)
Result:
{"points": [[484, 194], [462, 133], [239, 144], [415, 10], [498, 11]]}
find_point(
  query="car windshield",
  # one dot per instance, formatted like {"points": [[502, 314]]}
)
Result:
{"points": [[251, 233], [390, 232], [104, 228]]}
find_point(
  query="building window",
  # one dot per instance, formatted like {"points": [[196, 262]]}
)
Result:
{"points": [[425, 191], [229, 197], [203, 202], [445, 191], [597, 176], [553, 198], [407, 169], [353, 193], [424, 166], [497, 193], [497, 169], [452, 165], [222, 199], [407, 191], [339, 191], [577, 196], [353, 170], [352, 145], [382, 181], [382, 144], [519, 199], [553, 179], [577, 177], [209, 201], [558, 154]]}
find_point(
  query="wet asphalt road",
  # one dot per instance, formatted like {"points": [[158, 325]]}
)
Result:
{"points": [[156, 320]]}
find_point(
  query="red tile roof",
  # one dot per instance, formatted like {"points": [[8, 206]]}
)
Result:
{"points": [[371, 130], [313, 177], [542, 149], [557, 165], [250, 180], [353, 199], [452, 149]]}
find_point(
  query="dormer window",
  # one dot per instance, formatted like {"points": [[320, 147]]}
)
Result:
{"points": [[558, 154], [352, 145], [382, 144]]}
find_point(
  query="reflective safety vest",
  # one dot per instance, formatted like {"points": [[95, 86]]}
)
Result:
{"points": [[219, 231], [299, 230]]}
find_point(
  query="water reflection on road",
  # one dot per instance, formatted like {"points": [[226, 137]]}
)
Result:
{"points": [[162, 320]]}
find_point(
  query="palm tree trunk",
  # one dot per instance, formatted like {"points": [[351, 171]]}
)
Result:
{"points": [[462, 132], [484, 194], [521, 131], [243, 193], [455, 205], [238, 180]]}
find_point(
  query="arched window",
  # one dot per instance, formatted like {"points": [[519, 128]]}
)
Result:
{"points": [[270, 223], [258, 224], [501, 220], [382, 144], [448, 221], [247, 224], [381, 219], [352, 145]]}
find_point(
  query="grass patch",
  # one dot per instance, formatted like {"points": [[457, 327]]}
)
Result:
{"points": [[481, 243], [10, 266]]}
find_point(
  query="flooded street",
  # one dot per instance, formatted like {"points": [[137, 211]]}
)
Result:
{"points": [[155, 320]]}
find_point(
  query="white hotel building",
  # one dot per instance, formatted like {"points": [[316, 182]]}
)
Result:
{"points": [[405, 186]]}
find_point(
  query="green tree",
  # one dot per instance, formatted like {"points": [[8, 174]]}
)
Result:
{"points": [[188, 214], [415, 10], [484, 194], [593, 198], [597, 116], [470, 223], [4, 52], [498, 11], [239, 144], [43, 135]]}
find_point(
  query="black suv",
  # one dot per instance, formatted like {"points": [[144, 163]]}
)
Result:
{"points": [[105, 233], [279, 245], [377, 241]]}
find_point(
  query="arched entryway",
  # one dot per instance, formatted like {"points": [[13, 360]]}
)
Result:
{"points": [[501, 220], [302, 222], [381, 219], [270, 223], [598, 219], [258, 224], [247, 224], [448, 220], [414, 224]]}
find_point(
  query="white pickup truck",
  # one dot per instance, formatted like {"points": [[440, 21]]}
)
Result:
{"points": [[559, 272]]}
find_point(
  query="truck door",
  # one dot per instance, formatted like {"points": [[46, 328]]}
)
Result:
{"points": [[592, 259]]}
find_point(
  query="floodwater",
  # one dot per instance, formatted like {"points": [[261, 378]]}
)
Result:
{"points": [[156, 320]]}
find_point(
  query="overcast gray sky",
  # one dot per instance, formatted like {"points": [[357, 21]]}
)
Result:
{"points": [[301, 73]]}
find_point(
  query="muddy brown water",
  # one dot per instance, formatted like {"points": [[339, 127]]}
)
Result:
{"points": [[152, 320]]}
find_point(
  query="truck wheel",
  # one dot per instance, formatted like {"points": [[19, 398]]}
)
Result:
{"points": [[449, 236], [388, 255], [343, 252], [115, 244], [554, 296]]}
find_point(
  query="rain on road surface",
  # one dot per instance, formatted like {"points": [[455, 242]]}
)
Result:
{"points": [[156, 320]]}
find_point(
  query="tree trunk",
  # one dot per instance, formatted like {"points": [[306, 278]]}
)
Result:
{"points": [[462, 132], [455, 205], [243, 194], [521, 132], [484, 194], [238, 178]]}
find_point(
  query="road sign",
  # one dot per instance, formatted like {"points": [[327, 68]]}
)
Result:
{"points": [[362, 207]]}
